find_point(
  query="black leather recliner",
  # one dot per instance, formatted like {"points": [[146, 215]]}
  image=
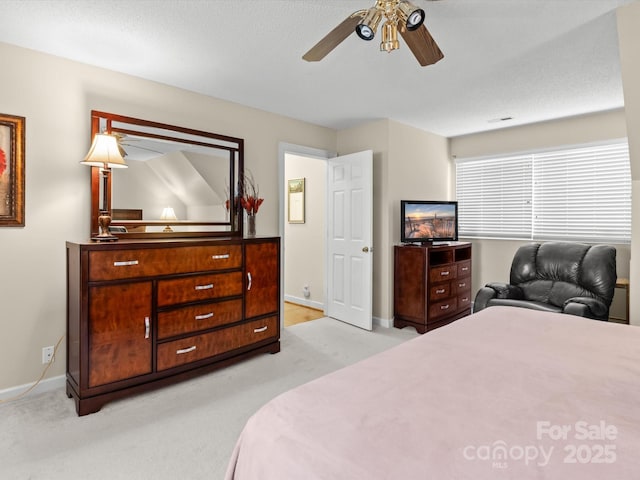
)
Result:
{"points": [[572, 278]]}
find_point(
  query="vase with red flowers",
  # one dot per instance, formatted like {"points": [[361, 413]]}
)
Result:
{"points": [[250, 200]]}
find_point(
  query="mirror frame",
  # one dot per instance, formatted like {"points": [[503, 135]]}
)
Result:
{"points": [[231, 144]]}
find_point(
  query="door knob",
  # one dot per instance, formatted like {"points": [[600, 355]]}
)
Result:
{"points": [[365, 249]]}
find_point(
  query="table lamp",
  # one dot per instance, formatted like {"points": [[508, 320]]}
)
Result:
{"points": [[168, 214], [104, 153]]}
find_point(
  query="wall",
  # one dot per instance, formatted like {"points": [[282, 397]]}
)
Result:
{"points": [[629, 39], [56, 97], [407, 162], [374, 136], [305, 242], [492, 258]]}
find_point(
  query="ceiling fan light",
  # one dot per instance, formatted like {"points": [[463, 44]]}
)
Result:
{"points": [[367, 27], [411, 15], [389, 37]]}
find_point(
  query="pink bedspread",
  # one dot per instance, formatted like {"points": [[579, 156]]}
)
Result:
{"points": [[504, 393]]}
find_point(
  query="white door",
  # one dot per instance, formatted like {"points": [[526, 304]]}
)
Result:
{"points": [[350, 232]]}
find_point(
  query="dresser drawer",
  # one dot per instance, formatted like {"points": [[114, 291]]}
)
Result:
{"points": [[144, 262], [199, 347], [464, 299], [461, 285], [198, 317], [441, 309], [464, 269], [446, 272], [440, 291], [199, 287]]}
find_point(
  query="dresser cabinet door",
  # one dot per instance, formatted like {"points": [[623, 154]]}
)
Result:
{"points": [[119, 332], [262, 278]]}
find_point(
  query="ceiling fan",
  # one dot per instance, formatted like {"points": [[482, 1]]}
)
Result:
{"points": [[399, 16]]}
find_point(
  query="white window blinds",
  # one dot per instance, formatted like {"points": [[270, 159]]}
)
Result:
{"points": [[579, 194]]}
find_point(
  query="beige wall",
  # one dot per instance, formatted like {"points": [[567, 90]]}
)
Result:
{"points": [[305, 242], [374, 136], [56, 97], [629, 39], [492, 258], [407, 162]]}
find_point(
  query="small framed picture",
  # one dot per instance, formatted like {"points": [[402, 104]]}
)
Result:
{"points": [[11, 171], [296, 200]]}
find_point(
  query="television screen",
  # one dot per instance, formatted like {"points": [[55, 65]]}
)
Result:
{"points": [[425, 221]]}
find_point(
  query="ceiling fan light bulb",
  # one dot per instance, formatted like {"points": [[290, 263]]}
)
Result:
{"points": [[411, 15], [365, 32], [366, 29]]}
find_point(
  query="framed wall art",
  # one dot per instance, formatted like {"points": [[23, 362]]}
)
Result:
{"points": [[11, 171], [296, 200]]}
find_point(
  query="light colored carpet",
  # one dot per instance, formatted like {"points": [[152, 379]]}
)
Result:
{"points": [[185, 431]]}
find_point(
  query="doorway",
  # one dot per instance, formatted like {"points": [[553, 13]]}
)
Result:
{"points": [[303, 281]]}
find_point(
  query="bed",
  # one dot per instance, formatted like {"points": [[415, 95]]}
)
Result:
{"points": [[503, 393]]}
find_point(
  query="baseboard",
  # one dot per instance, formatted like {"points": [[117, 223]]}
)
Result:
{"points": [[383, 322], [304, 302], [46, 385]]}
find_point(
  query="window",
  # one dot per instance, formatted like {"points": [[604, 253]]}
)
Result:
{"points": [[574, 194]]}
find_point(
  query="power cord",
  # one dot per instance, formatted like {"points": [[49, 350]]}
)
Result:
{"points": [[44, 372]]}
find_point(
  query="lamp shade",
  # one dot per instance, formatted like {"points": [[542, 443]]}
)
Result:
{"points": [[168, 214], [104, 152]]}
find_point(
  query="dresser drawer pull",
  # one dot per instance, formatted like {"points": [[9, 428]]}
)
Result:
{"points": [[261, 329], [208, 286], [185, 350], [465, 269], [249, 280], [126, 263], [465, 299], [444, 274], [221, 257], [463, 284], [147, 327], [444, 307], [204, 316], [440, 290]]}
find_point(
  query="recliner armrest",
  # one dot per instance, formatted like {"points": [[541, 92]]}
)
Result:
{"points": [[586, 307], [505, 290], [495, 290]]}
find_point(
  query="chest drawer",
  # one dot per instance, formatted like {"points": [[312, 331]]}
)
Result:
{"points": [[464, 268], [198, 317], [199, 287], [464, 300], [441, 274], [461, 285], [144, 262], [443, 308], [440, 291], [199, 347]]}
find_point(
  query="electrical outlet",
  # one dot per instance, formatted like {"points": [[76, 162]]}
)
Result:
{"points": [[47, 354]]}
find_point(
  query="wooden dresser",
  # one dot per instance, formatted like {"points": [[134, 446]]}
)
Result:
{"points": [[432, 285], [143, 314]]}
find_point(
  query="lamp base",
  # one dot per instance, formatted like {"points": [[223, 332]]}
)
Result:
{"points": [[105, 238], [104, 220]]}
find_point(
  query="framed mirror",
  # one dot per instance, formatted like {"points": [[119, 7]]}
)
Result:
{"points": [[179, 182]]}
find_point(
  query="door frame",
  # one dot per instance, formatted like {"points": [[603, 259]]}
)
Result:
{"points": [[283, 149]]}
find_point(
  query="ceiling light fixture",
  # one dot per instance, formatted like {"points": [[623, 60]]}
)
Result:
{"points": [[411, 15], [399, 16], [366, 29]]}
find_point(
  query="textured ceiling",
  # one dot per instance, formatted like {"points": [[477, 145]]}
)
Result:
{"points": [[531, 60]]}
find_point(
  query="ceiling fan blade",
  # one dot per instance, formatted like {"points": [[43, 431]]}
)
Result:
{"points": [[422, 44], [334, 37]]}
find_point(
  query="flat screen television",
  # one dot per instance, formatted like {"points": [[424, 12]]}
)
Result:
{"points": [[426, 221]]}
